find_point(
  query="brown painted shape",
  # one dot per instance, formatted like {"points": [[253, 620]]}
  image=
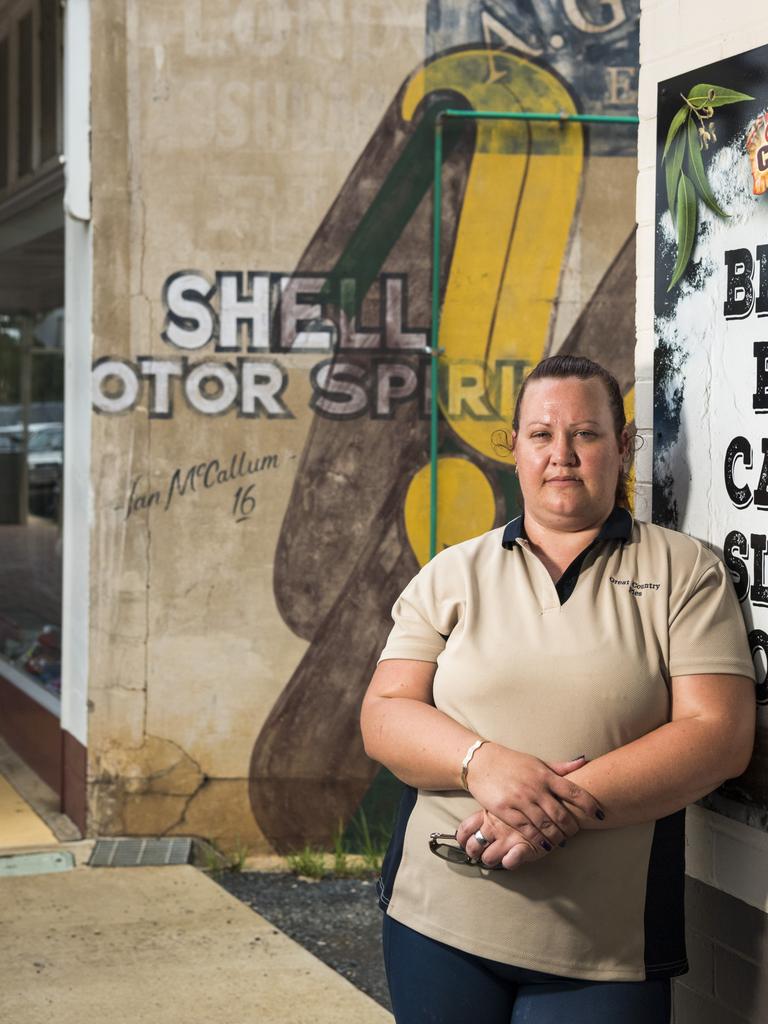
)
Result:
{"points": [[348, 467], [342, 556], [309, 770], [605, 330]]}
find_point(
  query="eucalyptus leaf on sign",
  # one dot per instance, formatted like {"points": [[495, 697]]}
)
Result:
{"points": [[673, 170], [690, 132], [714, 96], [687, 209], [677, 122]]}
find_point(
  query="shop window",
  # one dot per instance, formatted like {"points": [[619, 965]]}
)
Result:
{"points": [[4, 99], [24, 97], [49, 64], [31, 91], [31, 477]]}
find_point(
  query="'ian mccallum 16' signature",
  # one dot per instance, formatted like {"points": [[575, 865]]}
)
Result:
{"points": [[199, 477]]}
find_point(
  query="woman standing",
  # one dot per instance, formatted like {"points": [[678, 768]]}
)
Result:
{"points": [[574, 630]]}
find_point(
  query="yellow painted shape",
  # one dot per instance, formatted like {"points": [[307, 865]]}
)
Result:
{"points": [[19, 825], [513, 231], [466, 505], [629, 405], [629, 412]]}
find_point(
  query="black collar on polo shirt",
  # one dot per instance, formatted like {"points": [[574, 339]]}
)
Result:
{"points": [[618, 526]]}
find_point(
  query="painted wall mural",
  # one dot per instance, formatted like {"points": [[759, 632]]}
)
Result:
{"points": [[279, 402], [711, 289], [356, 527]]}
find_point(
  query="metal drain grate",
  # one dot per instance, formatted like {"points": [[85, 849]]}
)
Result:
{"points": [[140, 853]]}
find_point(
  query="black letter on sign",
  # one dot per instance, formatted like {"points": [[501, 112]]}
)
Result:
{"points": [[740, 293], [761, 494], [758, 592], [735, 545], [761, 306], [760, 397], [758, 641], [738, 448]]}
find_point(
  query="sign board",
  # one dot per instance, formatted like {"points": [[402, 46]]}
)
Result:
{"points": [[711, 347]]}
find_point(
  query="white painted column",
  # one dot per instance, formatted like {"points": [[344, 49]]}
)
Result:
{"points": [[77, 368]]}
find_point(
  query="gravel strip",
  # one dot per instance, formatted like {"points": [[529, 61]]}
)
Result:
{"points": [[336, 919]]}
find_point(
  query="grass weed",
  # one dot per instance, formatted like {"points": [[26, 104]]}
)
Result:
{"points": [[215, 860], [372, 846], [309, 863], [238, 855], [346, 864], [358, 852]]}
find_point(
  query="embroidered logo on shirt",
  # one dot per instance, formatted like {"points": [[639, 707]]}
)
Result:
{"points": [[636, 589]]}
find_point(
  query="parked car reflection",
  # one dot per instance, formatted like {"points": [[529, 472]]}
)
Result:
{"points": [[45, 443], [44, 453]]}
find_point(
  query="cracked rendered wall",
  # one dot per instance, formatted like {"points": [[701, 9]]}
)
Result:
{"points": [[262, 271], [221, 134]]}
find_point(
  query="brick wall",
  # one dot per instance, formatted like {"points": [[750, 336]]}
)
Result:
{"points": [[728, 952], [726, 862]]}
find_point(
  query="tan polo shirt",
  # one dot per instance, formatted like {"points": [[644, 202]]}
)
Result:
{"points": [[553, 679]]}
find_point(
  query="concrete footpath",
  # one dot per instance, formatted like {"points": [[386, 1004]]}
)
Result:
{"points": [[160, 945]]}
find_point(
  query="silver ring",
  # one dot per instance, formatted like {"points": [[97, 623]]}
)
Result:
{"points": [[481, 838]]}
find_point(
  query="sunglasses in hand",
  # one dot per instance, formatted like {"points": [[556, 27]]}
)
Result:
{"points": [[446, 846]]}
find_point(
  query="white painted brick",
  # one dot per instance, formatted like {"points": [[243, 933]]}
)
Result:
{"points": [[646, 145], [644, 456], [646, 342], [655, 69], [643, 502], [645, 208], [644, 311], [727, 854], [739, 862], [644, 404], [745, 33], [659, 31], [699, 853], [649, 230], [646, 250], [670, 60], [702, 21], [644, 348], [644, 461], [647, 98], [646, 86], [644, 334]]}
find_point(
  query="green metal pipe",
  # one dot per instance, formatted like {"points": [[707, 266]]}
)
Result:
{"points": [[437, 195], [528, 115], [434, 368]]}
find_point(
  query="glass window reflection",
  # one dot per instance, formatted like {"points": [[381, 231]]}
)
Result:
{"points": [[31, 477]]}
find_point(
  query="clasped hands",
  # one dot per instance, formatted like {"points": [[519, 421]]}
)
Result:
{"points": [[530, 807]]}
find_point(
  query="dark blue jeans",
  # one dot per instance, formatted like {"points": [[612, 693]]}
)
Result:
{"points": [[432, 983]]}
